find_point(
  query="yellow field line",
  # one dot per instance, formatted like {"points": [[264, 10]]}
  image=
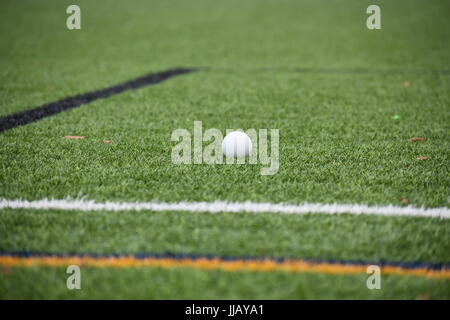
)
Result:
{"points": [[266, 265]]}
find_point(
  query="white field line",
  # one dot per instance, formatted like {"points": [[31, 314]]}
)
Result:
{"points": [[220, 206]]}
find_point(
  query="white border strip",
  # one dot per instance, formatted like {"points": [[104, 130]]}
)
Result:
{"points": [[220, 206]]}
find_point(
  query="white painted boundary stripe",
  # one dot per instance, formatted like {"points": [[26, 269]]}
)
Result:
{"points": [[220, 206]]}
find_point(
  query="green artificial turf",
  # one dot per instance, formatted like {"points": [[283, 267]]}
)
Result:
{"points": [[320, 237], [337, 146], [339, 141], [135, 283]]}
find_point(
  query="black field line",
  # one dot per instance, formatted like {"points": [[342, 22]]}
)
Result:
{"points": [[25, 117]]}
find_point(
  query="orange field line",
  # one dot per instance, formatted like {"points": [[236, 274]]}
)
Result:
{"points": [[266, 265]]}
